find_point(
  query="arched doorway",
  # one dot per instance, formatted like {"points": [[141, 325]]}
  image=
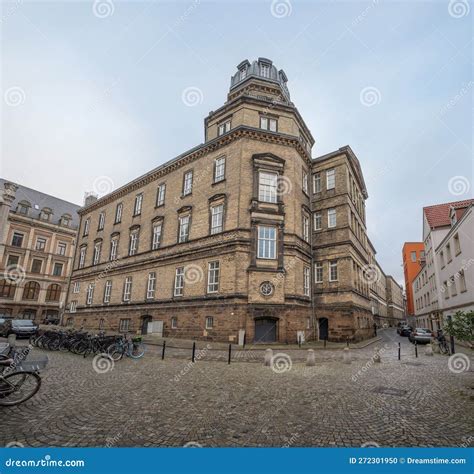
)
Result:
{"points": [[145, 320], [323, 328], [266, 330]]}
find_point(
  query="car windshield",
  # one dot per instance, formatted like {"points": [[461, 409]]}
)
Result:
{"points": [[23, 322], [420, 330]]}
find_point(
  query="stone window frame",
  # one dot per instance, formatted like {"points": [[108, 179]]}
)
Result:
{"points": [[179, 275], [318, 266], [332, 212], [223, 123], [14, 255], [114, 237], [185, 211], [216, 281], [218, 179], [7, 289], [333, 263], [305, 181], [174, 322], [214, 201], [118, 213], [306, 280], [127, 289], [54, 269], [134, 231], [86, 228], [158, 221], [331, 175], [268, 117], [138, 204], [21, 235], [209, 322], [184, 190], [125, 324], [45, 214], [266, 162], [317, 218], [90, 294], [82, 256], [33, 260], [42, 247], [101, 221], [160, 202], [65, 220], [72, 309], [107, 291], [62, 245], [306, 224], [150, 290], [53, 292], [23, 206], [76, 287], [97, 251]]}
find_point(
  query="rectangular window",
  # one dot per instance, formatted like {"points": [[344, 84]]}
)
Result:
{"points": [[223, 128], [306, 281], [40, 243], [13, 260], [317, 221], [97, 248], [72, 307], [61, 250], [17, 239], [160, 195], [305, 182], [101, 221], [219, 169], [317, 183], [213, 277], [124, 325], [441, 258], [156, 239], [179, 282], [446, 290], [448, 253], [137, 208], [209, 322], [413, 256], [188, 183], [183, 229], [90, 294], [462, 282], [267, 186], [76, 286], [330, 179], [174, 322], [127, 289], [332, 218], [217, 221], [107, 291], [333, 270], [85, 231], [58, 269], [36, 265], [305, 228], [151, 286], [82, 257], [118, 213], [452, 282], [265, 70], [113, 249], [318, 272], [266, 242], [133, 245], [457, 245], [267, 123]]}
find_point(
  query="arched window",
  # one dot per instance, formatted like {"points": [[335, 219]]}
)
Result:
{"points": [[31, 291], [7, 289], [53, 292]]}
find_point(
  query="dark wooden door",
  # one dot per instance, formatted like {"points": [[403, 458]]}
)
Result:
{"points": [[265, 330]]}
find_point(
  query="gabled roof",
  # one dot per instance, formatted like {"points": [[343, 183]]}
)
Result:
{"points": [[439, 214], [38, 201]]}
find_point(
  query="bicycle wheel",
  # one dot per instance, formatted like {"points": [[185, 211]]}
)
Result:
{"points": [[17, 387], [115, 351], [444, 349], [137, 350]]}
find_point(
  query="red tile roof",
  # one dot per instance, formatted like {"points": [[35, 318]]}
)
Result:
{"points": [[438, 215]]}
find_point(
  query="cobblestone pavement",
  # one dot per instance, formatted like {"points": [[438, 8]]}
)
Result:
{"points": [[150, 402]]}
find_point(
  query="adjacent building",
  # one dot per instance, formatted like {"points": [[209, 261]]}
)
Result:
{"points": [[37, 239], [245, 235], [444, 283], [395, 302], [413, 255]]}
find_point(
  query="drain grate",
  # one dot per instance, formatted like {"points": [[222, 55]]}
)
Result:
{"points": [[396, 392]]}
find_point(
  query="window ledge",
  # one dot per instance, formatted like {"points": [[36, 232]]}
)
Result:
{"points": [[218, 182]]}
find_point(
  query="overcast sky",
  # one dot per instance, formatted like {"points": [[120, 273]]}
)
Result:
{"points": [[96, 93]]}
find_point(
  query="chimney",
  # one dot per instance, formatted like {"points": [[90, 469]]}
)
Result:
{"points": [[89, 198]]}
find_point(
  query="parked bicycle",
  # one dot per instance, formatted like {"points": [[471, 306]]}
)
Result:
{"points": [[19, 375], [127, 346], [442, 342]]}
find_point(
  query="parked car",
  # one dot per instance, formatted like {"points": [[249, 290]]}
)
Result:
{"points": [[20, 327], [51, 319], [404, 330], [420, 335]]}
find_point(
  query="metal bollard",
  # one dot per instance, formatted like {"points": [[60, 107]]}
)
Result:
{"points": [[194, 352], [416, 350], [399, 351], [163, 350], [230, 354], [299, 342]]}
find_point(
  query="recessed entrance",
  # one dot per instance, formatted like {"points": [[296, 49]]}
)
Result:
{"points": [[145, 321], [323, 328], [265, 330]]}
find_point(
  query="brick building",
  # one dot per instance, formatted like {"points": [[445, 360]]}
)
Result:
{"points": [[37, 238], [243, 234]]}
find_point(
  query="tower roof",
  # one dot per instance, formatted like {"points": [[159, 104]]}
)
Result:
{"points": [[262, 69]]}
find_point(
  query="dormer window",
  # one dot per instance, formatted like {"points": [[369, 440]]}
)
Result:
{"points": [[45, 214], [23, 208], [65, 220], [265, 70], [243, 74], [224, 127]]}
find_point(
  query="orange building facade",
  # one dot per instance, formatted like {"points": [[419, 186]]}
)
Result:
{"points": [[413, 258]]}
